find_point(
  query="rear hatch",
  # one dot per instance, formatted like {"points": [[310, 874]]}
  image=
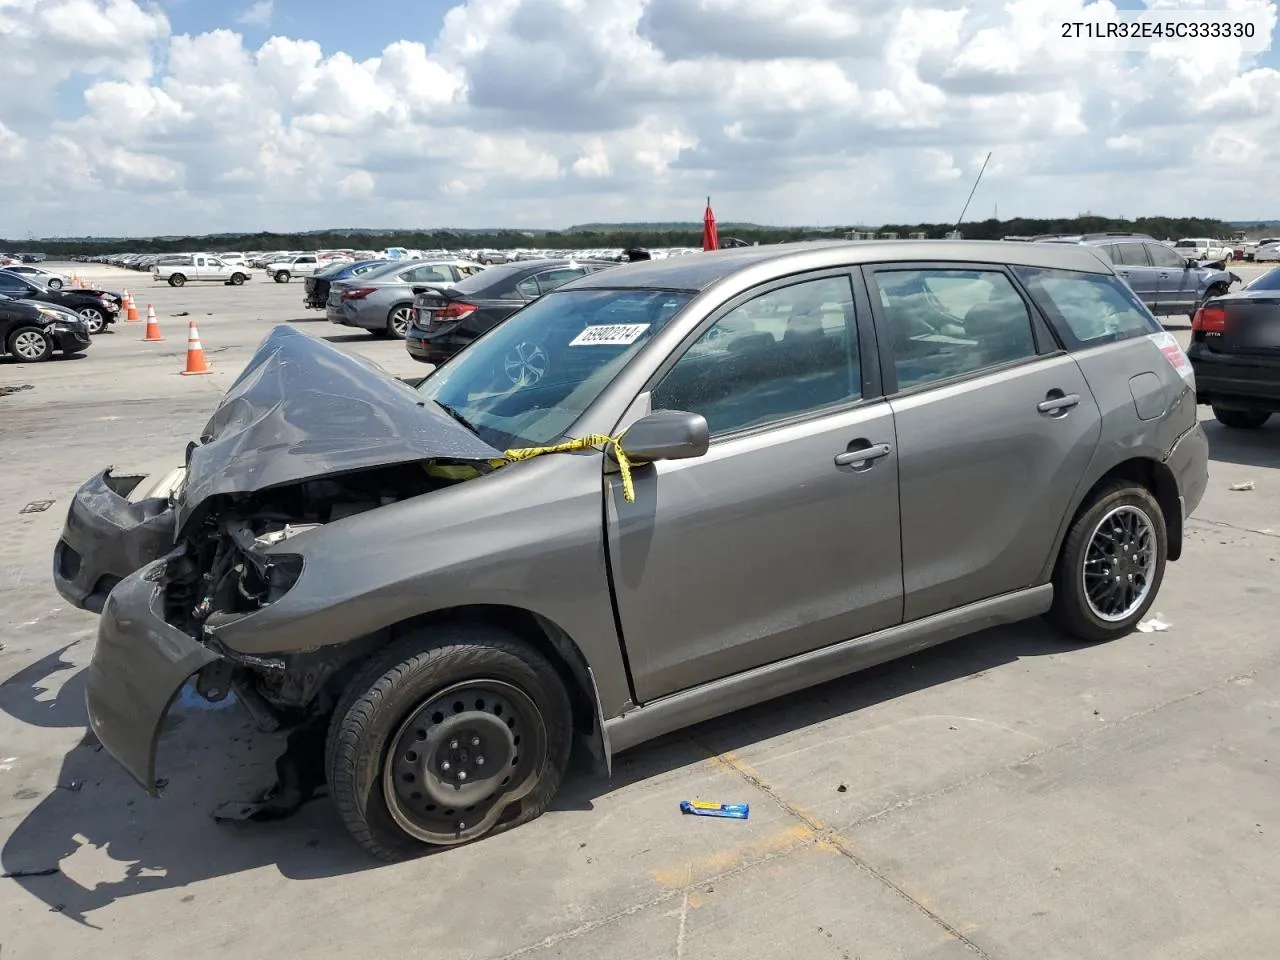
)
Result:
{"points": [[1243, 324]]}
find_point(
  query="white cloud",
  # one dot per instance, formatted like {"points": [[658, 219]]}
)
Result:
{"points": [[548, 112], [258, 15]]}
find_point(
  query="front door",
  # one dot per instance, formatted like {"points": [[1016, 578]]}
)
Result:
{"points": [[996, 427], [783, 537], [1179, 284]]}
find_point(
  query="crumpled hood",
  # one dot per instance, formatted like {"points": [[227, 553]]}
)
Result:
{"points": [[304, 409]]}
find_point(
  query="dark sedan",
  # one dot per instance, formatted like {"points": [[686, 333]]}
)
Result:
{"points": [[445, 321], [97, 307], [315, 295], [31, 332], [1235, 353]]}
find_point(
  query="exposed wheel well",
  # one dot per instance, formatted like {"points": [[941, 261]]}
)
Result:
{"points": [[1158, 479]]}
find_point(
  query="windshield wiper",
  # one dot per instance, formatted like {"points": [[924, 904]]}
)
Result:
{"points": [[457, 416]]}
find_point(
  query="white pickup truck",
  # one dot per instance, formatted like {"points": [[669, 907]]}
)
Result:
{"points": [[282, 271], [203, 266], [1205, 249]]}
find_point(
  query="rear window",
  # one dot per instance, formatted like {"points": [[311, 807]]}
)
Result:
{"points": [[1268, 281], [1088, 309]]}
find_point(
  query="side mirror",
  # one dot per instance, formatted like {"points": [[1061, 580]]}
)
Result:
{"points": [[667, 435]]}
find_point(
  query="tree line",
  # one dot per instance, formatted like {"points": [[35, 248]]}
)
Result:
{"points": [[636, 235]]}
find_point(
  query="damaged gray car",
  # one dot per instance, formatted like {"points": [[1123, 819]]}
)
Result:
{"points": [[651, 497]]}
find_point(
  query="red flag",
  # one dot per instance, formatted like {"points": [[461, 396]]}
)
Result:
{"points": [[710, 238]]}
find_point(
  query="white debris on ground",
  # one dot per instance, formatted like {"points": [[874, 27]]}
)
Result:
{"points": [[1156, 624], [1241, 487]]}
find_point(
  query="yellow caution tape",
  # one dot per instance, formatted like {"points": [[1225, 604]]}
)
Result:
{"points": [[595, 441]]}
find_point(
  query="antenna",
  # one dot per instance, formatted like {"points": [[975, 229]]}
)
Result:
{"points": [[973, 191]]}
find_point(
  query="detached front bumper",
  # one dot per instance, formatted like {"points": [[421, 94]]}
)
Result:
{"points": [[106, 538], [139, 666]]}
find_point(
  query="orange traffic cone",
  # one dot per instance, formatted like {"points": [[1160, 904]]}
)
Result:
{"points": [[195, 353], [132, 314], [153, 325]]}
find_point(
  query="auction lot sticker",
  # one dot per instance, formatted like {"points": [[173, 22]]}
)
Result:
{"points": [[610, 334]]}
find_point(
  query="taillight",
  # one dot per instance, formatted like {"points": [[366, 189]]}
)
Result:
{"points": [[1209, 319], [1172, 351], [358, 294], [455, 311]]}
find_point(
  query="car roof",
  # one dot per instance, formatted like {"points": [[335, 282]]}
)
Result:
{"points": [[699, 271]]}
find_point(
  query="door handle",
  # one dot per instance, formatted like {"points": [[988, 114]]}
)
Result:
{"points": [[1058, 404], [863, 455]]}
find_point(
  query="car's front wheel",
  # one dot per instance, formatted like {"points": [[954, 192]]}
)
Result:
{"points": [[281, 276], [30, 345], [54, 283], [447, 737], [1241, 419], [1111, 565], [177, 280]]}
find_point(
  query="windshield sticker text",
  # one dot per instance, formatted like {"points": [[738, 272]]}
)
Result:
{"points": [[610, 334]]}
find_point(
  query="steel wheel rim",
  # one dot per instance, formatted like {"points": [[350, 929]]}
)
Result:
{"points": [[400, 321], [526, 364], [30, 345], [92, 318], [434, 759], [1119, 564]]}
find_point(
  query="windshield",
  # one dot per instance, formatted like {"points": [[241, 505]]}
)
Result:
{"points": [[1268, 281], [529, 379]]}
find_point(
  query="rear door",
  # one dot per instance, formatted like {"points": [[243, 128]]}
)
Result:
{"points": [[783, 537], [1136, 269], [996, 426], [1179, 284]]}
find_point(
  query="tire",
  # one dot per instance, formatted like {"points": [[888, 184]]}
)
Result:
{"points": [[177, 280], [237, 279], [54, 283], [398, 320], [281, 276], [1072, 611], [377, 718], [1241, 419], [94, 319], [30, 345]]}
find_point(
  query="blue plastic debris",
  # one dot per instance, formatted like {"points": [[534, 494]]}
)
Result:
{"points": [[701, 808]]}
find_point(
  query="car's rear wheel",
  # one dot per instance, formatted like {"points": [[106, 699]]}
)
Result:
{"points": [[1111, 565], [30, 345], [447, 737], [54, 283], [281, 276], [398, 321], [94, 319], [237, 279], [1241, 419], [177, 280]]}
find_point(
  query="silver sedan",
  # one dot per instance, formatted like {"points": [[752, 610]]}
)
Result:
{"points": [[381, 301]]}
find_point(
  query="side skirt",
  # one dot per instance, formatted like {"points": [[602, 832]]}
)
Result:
{"points": [[754, 686]]}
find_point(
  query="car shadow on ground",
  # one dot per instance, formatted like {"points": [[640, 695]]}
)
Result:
{"points": [[1250, 448], [350, 338], [213, 755]]}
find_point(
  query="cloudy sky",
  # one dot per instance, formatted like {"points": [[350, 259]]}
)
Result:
{"points": [[130, 117]]}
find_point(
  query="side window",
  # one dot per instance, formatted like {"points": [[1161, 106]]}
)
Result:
{"points": [[1131, 255], [306, 260], [199, 261], [13, 285], [786, 353], [554, 278], [1088, 309], [946, 323], [1109, 251], [1162, 256], [433, 273], [528, 287]]}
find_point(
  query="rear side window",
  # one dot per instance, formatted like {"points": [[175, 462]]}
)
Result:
{"points": [[1130, 255], [1088, 309]]}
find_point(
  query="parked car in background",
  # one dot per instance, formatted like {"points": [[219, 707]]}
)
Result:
{"points": [[444, 321], [31, 332], [96, 307], [1235, 353], [381, 301], [1204, 249], [1166, 281], [802, 481], [315, 294], [48, 278], [233, 259], [1268, 250], [282, 271], [203, 267]]}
